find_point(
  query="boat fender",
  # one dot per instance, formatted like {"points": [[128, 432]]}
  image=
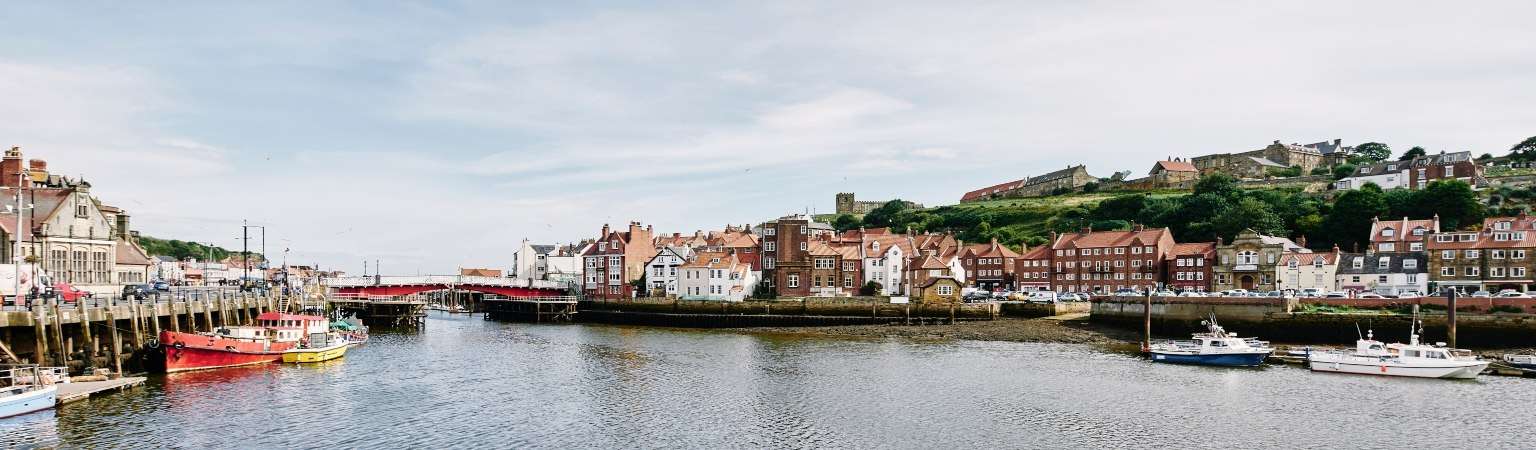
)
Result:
{"points": [[179, 345]]}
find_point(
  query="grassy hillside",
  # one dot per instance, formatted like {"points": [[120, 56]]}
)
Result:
{"points": [[184, 249]]}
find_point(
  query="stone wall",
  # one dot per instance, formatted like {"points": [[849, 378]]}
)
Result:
{"points": [[783, 312], [1282, 320], [1026, 309]]}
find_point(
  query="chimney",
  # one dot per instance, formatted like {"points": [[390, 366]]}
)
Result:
{"points": [[1352, 249], [10, 167], [1086, 229], [1302, 241], [605, 232], [1277, 142], [1218, 241], [122, 227], [1053, 237], [1138, 227]]}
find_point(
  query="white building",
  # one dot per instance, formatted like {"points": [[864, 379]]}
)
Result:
{"points": [[1297, 271], [1386, 174], [715, 276], [884, 264], [1384, 273], [170, 270], [547, 262], [661, 270]]}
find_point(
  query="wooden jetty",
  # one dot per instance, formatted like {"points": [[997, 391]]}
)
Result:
{"points": [[386, 311], [81, 390], [535, 309], [106, 332]]}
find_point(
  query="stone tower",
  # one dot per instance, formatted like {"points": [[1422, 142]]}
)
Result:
{"points": [[845, 204]]}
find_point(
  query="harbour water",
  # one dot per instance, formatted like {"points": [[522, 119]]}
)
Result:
{"points": [[466, 382]]}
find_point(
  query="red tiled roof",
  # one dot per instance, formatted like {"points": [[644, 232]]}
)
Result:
{"points": [[129, 254], [1041, 252], [1192, 248], [989, 190], [1309, 258], [1097, 239], [1177, 166]]}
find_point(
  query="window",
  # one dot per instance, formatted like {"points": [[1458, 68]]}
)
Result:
{"points": [[1245, 258], [1496, 254], [945, 289], [1410, 263], [803, 230], [1472, 254], [1415, 246], [1517, 272], [1293, 264], [1448, 271], [1517, 254], [1472, 271], [1358, 262], [770, 246], [1419, 231], [847, 281], [802, 246], [1444, 238], [793, 280], [1448, 254], [1387, 232], [1386, 247], [823, 263], [1270, 257], [602, 246], [770, 231], [1496, 272], [1450, 171], [1119, 251], [1384, 263], [768, 263], [848, 265]]}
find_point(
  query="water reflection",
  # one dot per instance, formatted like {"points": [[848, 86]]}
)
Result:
{"points": [[467, 382]]}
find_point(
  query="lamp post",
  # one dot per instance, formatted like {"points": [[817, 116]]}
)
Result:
{"points": [[245, 253], [20, 210]]}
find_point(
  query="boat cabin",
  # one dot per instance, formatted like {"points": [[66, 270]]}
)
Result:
{"points": [[292, 327]]}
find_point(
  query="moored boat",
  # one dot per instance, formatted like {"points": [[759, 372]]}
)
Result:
{"points": [[327, 351], [1527, 362], [1372, 357], [1215, 347], [264, 343], [29, 388]]}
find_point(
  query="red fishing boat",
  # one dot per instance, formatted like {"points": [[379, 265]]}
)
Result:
{"points": [[262, 343]]}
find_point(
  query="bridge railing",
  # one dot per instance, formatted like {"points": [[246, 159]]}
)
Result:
{"points": [[450, 280]]}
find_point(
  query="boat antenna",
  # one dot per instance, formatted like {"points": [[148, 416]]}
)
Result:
{"points": [[1357, 331]]}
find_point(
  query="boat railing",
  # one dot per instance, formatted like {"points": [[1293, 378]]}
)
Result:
{"points": [[17, 375]]}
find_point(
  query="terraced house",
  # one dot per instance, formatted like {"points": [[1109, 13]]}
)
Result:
{"points": [[1189, 266], [1107, 261], [617, 260], [1384, 273], [989, 266], [1495, 257]]}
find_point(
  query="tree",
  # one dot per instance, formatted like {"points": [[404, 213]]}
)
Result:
{"points": [[1374, 151], [1217, 183], [1350, 220], [870, 288], [1485, 157], [1248, 213], [1122, 207], [1343, 170], [1453, 200], [1288, 172], [1091, 187], [1319, 170], [845, 222], [885, 215], [1412, 153], [1525, 150]]}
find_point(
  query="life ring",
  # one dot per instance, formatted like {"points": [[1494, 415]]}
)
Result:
{"points": [[179, 345], [152, 343]]}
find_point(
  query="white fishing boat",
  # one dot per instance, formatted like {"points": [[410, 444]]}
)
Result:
{"points": [[1215, 347], [29, 388], [1372, 357]]}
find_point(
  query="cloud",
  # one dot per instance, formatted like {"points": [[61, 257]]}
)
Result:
{"points": [[839, 108]]}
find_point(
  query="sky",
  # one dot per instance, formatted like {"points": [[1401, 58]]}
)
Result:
{"points": [[437, 135]]}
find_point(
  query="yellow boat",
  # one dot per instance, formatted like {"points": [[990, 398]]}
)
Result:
{"points": [[318, 354]]}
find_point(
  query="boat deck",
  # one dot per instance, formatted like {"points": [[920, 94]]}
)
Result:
{"points": [[81, 390]]}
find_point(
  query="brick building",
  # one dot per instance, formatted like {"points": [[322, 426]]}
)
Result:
{"points": [[1445, 166], [989, 266], [1032, 270], [1107, 261], [617, 259], [1188, 267], [786, 255], [1403, 235], [1496, 257], [1249, 261]]}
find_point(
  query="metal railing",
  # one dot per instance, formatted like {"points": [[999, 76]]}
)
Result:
{"points": [[452, 280]]}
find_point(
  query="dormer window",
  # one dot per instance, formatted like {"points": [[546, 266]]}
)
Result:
{"points": [[1391, 167], [1293, 264], [1419, 231], [1384, 263], [1387, 232], [1318, 263], [874, 246], [1359, 262], [1505, 225], [602, 246]]}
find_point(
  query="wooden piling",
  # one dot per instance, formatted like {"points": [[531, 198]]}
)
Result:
{"points": [[1450, 318], [175, 319], [40, 332], [133, 317], [208, 316], [85, 334], [1146, 318], [117, 344], [58, 333]]}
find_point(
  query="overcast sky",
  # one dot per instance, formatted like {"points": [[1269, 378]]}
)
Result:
{"points": [[439, 135]]}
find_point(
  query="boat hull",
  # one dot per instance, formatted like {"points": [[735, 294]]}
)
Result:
{"points": [[1459, 370], [315, 355], [1221, 360], [185, 351], [29, 401]]}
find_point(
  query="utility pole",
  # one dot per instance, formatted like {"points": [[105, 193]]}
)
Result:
{"points": [[245, 251]]}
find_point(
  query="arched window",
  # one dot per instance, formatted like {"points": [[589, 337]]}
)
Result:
{"points": [[1247, 257]]}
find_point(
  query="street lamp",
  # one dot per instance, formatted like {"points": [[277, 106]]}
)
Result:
{"points": [[16, 260]]}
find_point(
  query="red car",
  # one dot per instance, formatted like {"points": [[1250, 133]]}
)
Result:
{"points": [[69, 293]]}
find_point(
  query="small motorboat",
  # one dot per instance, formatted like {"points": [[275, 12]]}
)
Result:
{"points": [[1215, 347], [1372, 357], [29, 388], [320, 347], [1527, 362]]}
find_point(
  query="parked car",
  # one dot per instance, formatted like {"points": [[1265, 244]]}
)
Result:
{"points": [[1191, 294], [137, 291], [1044, 297], [1370, 295], [1235, 293], [1274, 294], [162, 286], [1127, 293], [1511, 293], [1310, 293], [1336, 294], [1164, 293], [1001, 295], [1482, 294], [69, 293]]}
